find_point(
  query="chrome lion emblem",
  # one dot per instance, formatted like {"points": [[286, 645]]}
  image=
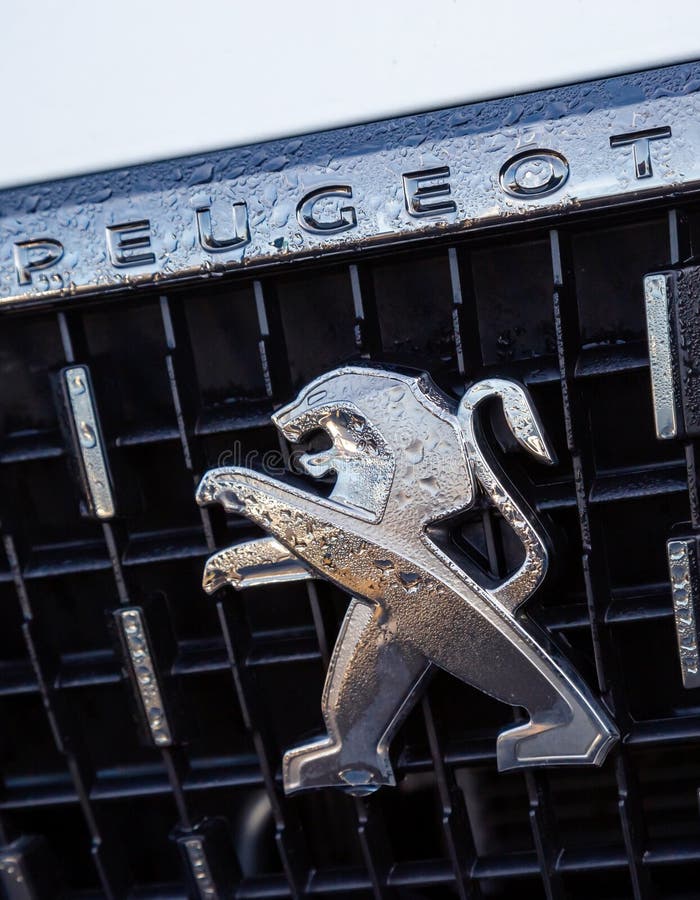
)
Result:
{"points": [[407, 460]]}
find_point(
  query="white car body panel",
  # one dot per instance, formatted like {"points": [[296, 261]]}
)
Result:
{"points": [[95, 86]]}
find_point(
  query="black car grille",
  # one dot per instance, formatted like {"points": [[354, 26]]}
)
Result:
{"points": [[185, 380]]}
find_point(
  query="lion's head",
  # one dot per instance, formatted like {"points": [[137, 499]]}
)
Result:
{"points": [[380, 424]]}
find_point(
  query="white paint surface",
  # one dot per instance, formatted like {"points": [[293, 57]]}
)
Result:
{"points": [[92, 85]]}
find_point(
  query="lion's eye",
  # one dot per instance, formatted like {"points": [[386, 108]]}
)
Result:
{"points": [[316, 398]]}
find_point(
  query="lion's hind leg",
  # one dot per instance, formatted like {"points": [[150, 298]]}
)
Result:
{"points": [[491, 651], [371, 685]]}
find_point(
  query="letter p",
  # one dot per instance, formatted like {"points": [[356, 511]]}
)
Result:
{"points": [[30, 256]]}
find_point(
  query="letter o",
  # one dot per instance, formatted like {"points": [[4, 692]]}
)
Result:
{"points": [[534, 173]]}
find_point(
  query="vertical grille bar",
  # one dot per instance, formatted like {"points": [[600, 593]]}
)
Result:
{"points": [[544, 832], [457, 305], [464, 313], [289, 836], [182, 379], [374, 847], [540, 811], [279, 391], [455, 823], [288, 832], [365, 306], [594, 564], [111, 870], [75, 349]]}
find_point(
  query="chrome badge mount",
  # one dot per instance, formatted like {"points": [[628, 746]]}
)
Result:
{"points": [[406, 461]]}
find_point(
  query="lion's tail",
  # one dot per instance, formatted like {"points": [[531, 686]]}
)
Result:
{"points": [[525, 424], [521, 415]]}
